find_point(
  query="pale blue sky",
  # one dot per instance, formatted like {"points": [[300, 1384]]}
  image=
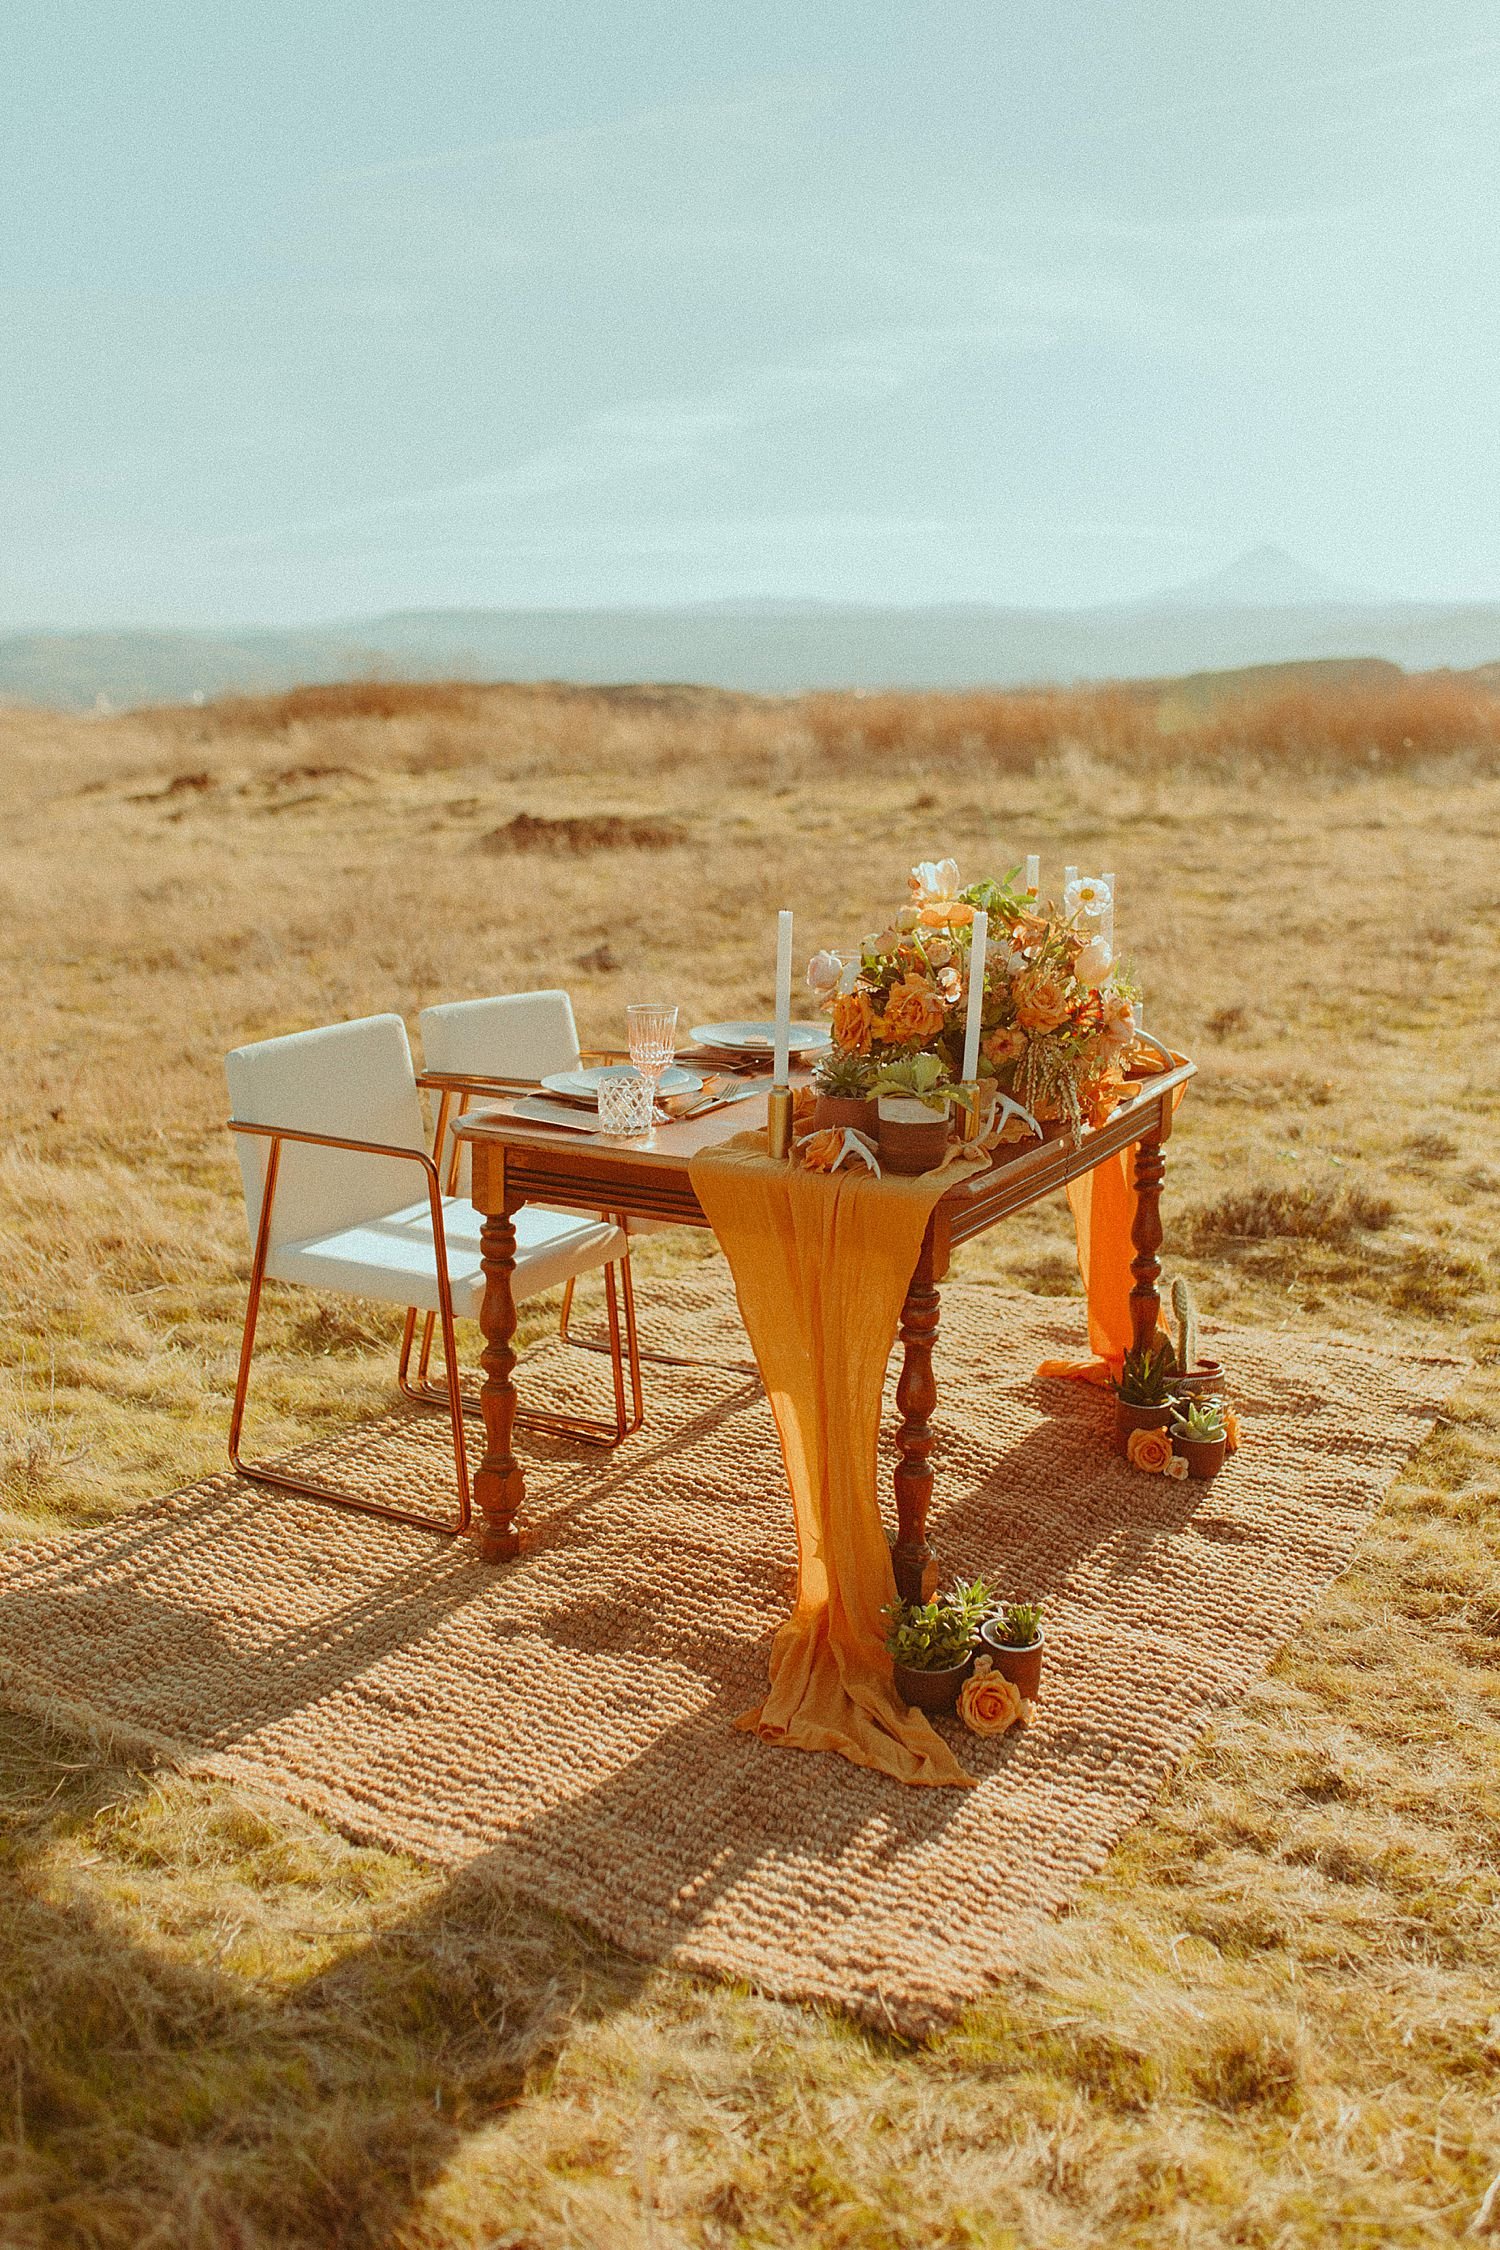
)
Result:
{"points": [[312, 309]]}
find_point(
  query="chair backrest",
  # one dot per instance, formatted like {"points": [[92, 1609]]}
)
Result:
{"points": [[518, 1035], [515, 1035], [354, 1080]]}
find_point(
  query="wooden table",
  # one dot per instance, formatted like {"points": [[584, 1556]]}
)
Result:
{"points": [[515, 1163]]}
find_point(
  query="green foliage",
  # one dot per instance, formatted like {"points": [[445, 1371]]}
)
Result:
{"points": [[846, 1075], [1021, 1623], [923, 1078], [1202, 1418], [1145, 1377], [1185, 1313], [934, 1636]]}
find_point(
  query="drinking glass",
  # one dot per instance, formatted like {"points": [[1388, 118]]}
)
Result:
{"points": [[653, 1040], [626, 1103]]}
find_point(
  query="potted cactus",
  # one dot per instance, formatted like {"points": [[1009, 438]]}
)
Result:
{"points": [[932, 1643], [1143, 1391], [912, 1099], [1199, 1436], [1193, 1375], [842, 1084], [1012, 1635]]}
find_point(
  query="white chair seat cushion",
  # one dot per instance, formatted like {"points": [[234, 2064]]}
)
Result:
{"points": [[391, 1258]]}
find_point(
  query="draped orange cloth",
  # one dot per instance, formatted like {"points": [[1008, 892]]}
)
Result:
{"points": [[1103, 1205], [821, 1265]]}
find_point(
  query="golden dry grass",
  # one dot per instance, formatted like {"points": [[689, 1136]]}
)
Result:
{"points": [[1275, 2019]]}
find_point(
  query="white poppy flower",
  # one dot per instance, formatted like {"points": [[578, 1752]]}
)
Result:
{"points": [[1089, 895]]}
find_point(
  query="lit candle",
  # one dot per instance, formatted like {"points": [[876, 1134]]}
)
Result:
{"points": [[1107, 913], [977, 953], [1033, 876], [783, 996]]}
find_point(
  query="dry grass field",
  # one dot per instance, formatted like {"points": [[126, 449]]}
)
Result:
{"points": [[1274, 2020]]}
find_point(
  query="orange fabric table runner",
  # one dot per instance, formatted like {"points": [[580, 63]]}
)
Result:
{"points": [[821, 1264]]}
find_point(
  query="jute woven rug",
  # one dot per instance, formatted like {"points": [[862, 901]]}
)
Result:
{"points": [[565, 1721]]}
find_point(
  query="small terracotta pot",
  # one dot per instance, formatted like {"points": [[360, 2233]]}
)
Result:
{"points": [[839, 1110], [932, 1691], [1207, 1377], [1128, 1418], [1204, 1456], [1021, 1666], [913, 1138]]}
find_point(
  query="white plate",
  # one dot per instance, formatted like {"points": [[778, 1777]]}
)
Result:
{"points": [[587, 1082], [760, 1038]]}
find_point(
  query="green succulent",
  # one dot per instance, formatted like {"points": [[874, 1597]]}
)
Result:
{"points": [[934, 1636], [922, 1078], [1021, 1623], [845, 1075], [1202, 1420], [1185, 1313], [1145, 1377]]}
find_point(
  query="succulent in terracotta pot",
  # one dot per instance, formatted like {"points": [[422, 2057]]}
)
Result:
{"points": [[1199, 1436], [1194, 1375], [1143, 1391], [843, 1084], [1013, 1638], [912, 1097], [932, 1643]]}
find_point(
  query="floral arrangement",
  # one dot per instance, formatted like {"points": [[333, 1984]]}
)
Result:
{"points": [[1058, 1017]]}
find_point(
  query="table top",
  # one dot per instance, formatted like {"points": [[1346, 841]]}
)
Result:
{"points": [[648, 1174]]}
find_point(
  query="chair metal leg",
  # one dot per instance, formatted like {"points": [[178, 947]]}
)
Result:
{"points": [[261, 1472], [586, 1429]]}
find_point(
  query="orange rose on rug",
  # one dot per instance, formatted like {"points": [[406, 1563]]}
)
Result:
{"points": [[989, 1703], [1231, 1433], [1150, 1450]]}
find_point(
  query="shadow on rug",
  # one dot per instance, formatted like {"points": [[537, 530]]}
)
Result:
{"points": [[563, 1723]]}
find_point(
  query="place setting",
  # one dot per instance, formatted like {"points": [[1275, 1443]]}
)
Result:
{"points": [[629, 1099]]}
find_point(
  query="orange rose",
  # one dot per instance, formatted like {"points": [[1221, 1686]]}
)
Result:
{"points": [[1231, 1433], [1041, 997], [1005, 1045], [913, 1011], [989, 1703], [821, 1151], [853, 1020], [1150, 1450]]}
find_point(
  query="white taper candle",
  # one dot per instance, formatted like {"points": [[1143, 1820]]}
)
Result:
{"points": [[977, 951], [1107, 915], [1033, 876], [1070, 877], [783, 996]]}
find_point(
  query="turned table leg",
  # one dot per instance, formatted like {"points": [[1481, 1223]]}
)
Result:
{"points": [[1146, 1235], [499, 1484], [916, 1397]]}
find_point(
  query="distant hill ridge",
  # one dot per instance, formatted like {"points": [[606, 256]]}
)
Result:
{"points": [[777, 648]]}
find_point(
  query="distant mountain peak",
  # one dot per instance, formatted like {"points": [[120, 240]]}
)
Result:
{"points": [[1264, 577]]}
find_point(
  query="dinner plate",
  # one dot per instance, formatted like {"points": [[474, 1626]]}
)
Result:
{"points": [[584, 1083], [760, 1038]]}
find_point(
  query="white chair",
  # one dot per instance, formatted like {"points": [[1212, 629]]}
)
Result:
{"points": [[474, 1047], [328, 1129]]}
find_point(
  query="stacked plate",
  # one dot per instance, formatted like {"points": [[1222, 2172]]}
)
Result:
{"points": [[740, 1043], [583, 1085]]}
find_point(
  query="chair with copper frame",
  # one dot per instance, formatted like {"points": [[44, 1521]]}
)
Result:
{"points": [[329, 1130]]}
